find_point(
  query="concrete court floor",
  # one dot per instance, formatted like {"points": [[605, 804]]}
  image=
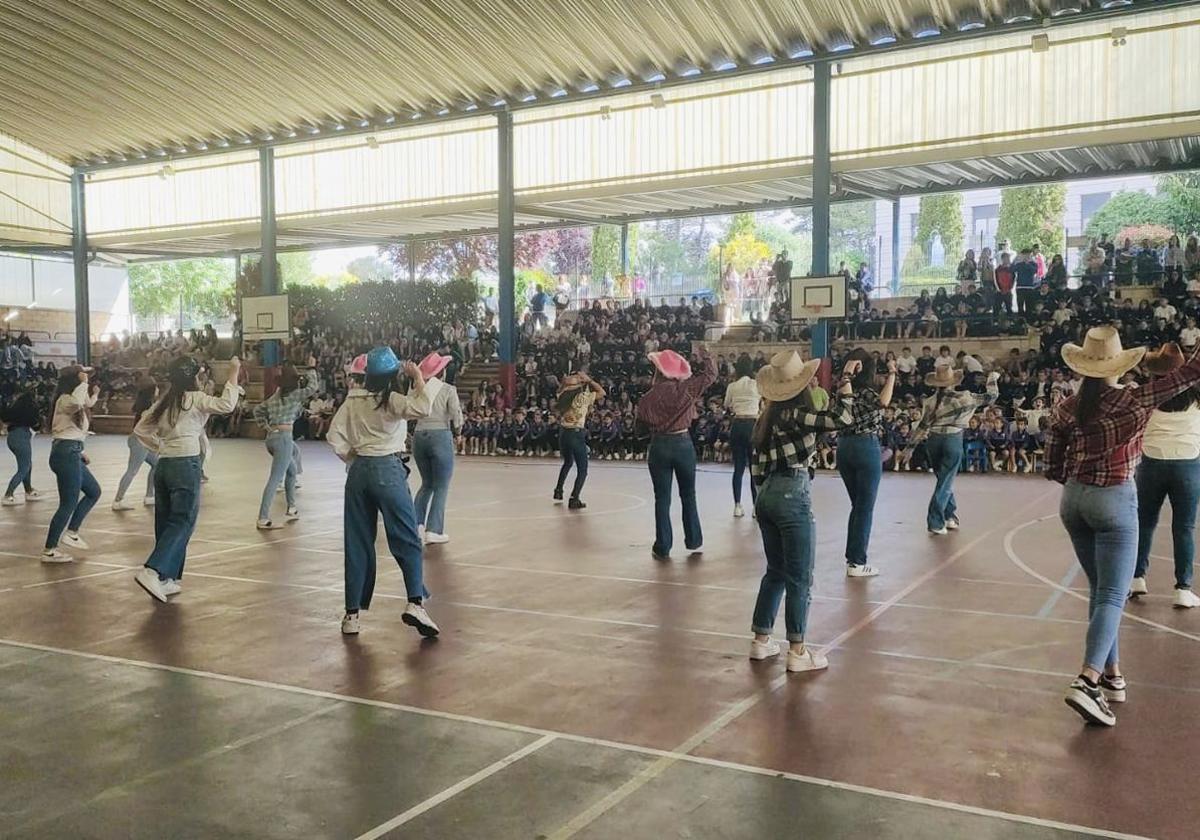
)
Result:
{"points": [[579, 688]]}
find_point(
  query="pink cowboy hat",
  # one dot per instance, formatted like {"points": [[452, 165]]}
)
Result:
{"points": [[358, 367], [433, 364], [670, 364]]}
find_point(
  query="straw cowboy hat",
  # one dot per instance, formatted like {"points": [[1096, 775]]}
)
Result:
{"points": [[1164, 360], [786, 376], [670, 364], [944, 377], [1101, 355], [433, 364]]}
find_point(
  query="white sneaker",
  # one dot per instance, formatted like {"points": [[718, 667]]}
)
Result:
{"points": [[1090, 703], [148, 501], [73, 540], [292, 514], [951, 524], [738, 513], [267, 525], [1185, 599], [53, 555], [415, 616], [298, 485], [34, 496], [279, 489], [147, 578], [432, 538], [172, 587], [9, 501], [941, 532], [1114, 689], [763, 650], [853, 570], [121, 504], [809, 660], [1138, 587], [350, 624], [421, 532]]}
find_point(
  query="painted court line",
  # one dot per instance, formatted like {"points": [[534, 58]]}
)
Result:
{"points": [[1063, 586], [454, 790], [112, 571]]}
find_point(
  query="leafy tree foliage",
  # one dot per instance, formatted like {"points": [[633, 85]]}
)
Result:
{"points": [[1033, 216], [203, 287], [941, 215]]}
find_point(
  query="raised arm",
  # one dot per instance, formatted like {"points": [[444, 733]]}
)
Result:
{"points": [[416, 403], [1158, 391], [839, 415], [227, 400], [889, 384], [700, 381]]}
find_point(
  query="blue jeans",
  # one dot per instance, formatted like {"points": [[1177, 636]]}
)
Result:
{"points": [[674, 456], [375, 486], [742, 448], [572, 444], [1178, 481], [73, 477], [945, 456], [789, 538], [1102, 524], [860, 463], [433, 450], [138, 455], [283, 468], [19, 443], [176, 503]]}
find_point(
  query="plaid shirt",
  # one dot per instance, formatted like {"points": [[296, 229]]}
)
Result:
{"points": [[868, 413], [948, 412], [1107, 451], [794, 437], [281, 409], [670, 406]]}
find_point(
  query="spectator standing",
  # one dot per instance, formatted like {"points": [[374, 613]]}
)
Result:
{"points": [[742, 398], [1025, 268], [1006, 280]]}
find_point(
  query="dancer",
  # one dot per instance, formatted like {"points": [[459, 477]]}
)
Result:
{"points": [[784, 439], [945, 414], [668, 410], [276, 414], [173, 430], [575, 399], [433, 449], [1092, 447], [22, 418], [1170, 468], [138, 453], [365, 433], [742, 398], [69, 428], [860, 459]]}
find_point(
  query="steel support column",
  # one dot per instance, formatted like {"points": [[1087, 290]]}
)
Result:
{"points": [[895, 246], [506, 205], [83, 307], [625, 248], [411, 250], [821, 183], [270, 275]]}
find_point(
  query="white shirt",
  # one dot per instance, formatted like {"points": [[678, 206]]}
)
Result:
{"points": [[1188, 336], [742, 397], [943, 362], [359, 428], [181, 439], [1061, 316], [1166, 312], [1173, 435], [445, 411], [906, 364], [70, 420], [971, 364]]}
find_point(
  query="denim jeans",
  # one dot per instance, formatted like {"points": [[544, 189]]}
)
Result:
{"points": [[789, 538], [19, 443], [433, 450], [176, 503], [138, 455], [283, 468], [742, 448], [860, 463], [1102, 524], [73, 477], [1178, 481], [573, 446], [374, 486], [674, 456], [945, 456]]}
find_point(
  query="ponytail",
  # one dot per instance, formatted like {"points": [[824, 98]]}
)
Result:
{"points": [[1088, 407]]}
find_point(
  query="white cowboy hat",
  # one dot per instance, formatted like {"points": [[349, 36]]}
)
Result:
{"points": [[786, 376], [1101, 355], [944, 377]]}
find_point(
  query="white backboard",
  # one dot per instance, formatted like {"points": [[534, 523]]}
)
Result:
{"points": [[819, 297], [266, 318]]}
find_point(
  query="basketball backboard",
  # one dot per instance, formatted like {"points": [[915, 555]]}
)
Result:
{"points": [[814, 298]]}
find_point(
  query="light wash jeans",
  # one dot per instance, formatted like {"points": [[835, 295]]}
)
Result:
{"points": [[860, 464], [138, 455], [784, 509], [176, 504], [433, 450], [674, 457], [1179, 481], [376, 486], [20, 444], [945, 456], [1103, 525], [283, 468], [73, 477]]}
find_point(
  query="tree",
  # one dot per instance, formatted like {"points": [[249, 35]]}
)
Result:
{"points": [[1033, 216], [373, 269], [1126, 209], [852, 233], [606, 250], [531, 249], [940, 215], [739, 223], [1181, 196], [571, 252], [203, 287]]}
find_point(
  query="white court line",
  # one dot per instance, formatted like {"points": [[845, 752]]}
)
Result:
{"points": [[455, 790], [77, 577], [581, 739]]}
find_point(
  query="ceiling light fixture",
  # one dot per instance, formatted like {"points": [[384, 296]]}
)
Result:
{"points": [[617, 79], [799, 48], [880, 35], [721, 62], [652, 75], [1062, 8], [587, 86], [924, 26], [969, 18], [222, 143], [389, 119], [838, 41], [685, 68], [1018, 11], [760, 55], [1115, 4], [314, 129], [528, 96]]}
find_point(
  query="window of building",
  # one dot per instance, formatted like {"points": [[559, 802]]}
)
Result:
{"points": [[985, 218], [1089, 204]]}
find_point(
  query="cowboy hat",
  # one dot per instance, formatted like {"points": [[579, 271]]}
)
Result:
{"points": [[944, 377], [786, 376], [433, 364], [1164, 360], [1101, 355], [358, 367], [382, 361], [670, 364]]}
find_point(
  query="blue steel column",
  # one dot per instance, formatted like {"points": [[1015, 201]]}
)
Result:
{"points": [[270, 278], [821, 181], [505, 222], [625, 248], [83, 313], [896, 246]]}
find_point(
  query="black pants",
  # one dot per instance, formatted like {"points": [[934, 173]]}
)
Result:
{"points": [[574, 448], [1025, 300], [743, 450]]}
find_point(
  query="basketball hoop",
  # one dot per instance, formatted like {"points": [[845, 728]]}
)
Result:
{"points": [[816, 310]]}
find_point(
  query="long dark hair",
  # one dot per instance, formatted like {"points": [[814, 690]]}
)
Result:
{"points": [[1182, 401], [744, 366], [765, 425], [1088, 407], [182, 377], [143, 400], [68, 381], [383, 385], [865, 378]]}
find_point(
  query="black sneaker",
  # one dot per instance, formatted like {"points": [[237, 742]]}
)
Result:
{"points": [[1090, 703], [658, 554], [558, 496], [576, 504], [1113, 688]]}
